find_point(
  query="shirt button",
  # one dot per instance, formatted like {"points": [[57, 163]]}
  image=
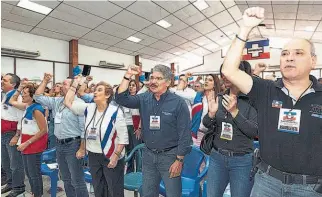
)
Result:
{"points": [[152, 142]]}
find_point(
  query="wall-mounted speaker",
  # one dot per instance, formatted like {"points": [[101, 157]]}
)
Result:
{"points": [[86, 70]]}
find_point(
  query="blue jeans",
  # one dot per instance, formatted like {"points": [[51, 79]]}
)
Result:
{"points": [[71, 169], [32, 164], [11, 161], [156, 167], [267, 186], [234, 170]]}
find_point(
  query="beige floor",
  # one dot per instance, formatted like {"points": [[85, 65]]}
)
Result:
{"points": [[60, 184]]}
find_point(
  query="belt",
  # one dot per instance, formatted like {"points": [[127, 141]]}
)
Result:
{"points": [[66, 140], [156, 151], [229, 153], [288, 178]]}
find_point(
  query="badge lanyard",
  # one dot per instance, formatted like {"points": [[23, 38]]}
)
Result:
{"points": [[100, 119], [60, 109], [288, 94]]}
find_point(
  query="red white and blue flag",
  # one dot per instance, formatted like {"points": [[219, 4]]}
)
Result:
{"points": [[256, 50]]}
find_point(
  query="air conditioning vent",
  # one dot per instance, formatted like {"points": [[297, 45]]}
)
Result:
{"points": [[273, 66], [104, 64], [19, 53]]}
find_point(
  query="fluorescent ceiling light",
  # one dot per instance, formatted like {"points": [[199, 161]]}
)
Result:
{"points": [[164, 24], [133, 39], [34, 7], [201, 4]]}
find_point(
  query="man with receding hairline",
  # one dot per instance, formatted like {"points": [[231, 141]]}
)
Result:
{"points": [[289, 116]]}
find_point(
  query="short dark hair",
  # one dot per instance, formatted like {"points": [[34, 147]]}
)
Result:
{"points": [[244, 66], [182, 75], [14, 80]]}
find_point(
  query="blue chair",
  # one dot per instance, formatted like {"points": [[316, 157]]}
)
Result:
{"points": [[190, 176], [87, 174], [47, 157], [133, 180], [256, 144]]}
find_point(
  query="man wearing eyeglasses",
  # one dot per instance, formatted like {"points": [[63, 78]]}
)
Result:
{"points": [[165, 121]]}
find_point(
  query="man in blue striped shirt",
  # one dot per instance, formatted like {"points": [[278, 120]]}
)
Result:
{"points": [[69, 130]]}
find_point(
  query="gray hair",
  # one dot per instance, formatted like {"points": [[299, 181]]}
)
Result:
{"points": [[312, 47], [166, 71]]}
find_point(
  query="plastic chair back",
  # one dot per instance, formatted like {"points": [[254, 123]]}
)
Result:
{"points": [[192, 163], [48, 155]]}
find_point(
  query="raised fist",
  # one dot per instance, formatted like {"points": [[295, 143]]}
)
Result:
{"points": [[89, 78], [133, 70], [47, 77], [24, 82], [259, 67], [253, 16]]}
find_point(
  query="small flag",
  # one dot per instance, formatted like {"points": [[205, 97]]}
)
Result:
{"points": [[256, 50]]}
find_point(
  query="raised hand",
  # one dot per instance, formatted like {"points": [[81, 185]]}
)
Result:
{"points": [[78, 78], [212, 104], [133, 70], [23, 84], [89, 78], [259, 67], [230, 104], [47, 77], [253, 16]]}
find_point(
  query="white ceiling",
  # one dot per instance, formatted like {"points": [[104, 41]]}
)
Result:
{"points": [[194, 33]]}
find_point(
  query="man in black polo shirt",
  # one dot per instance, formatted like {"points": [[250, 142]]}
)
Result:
{"points": [[289, 116]]}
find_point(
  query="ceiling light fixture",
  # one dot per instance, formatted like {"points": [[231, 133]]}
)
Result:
{"points": [[134, 39], [201, 4], [164, 24], [34, 7]]}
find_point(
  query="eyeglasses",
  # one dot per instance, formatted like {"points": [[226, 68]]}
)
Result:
{"points": [[156, 78]]}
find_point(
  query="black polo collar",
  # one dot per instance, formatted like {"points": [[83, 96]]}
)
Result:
{"points": [[316, 85]]}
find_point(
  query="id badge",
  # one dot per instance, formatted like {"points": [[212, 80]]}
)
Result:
{"points": [[226, 131], [5, 107], [58, 118], [92, 135], [155, 122], [289, 121]]}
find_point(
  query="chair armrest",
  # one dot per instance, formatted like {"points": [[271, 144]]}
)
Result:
{"points": [[129, 156]]}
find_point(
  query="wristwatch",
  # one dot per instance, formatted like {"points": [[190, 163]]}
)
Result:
{"points": [[178, 159]]}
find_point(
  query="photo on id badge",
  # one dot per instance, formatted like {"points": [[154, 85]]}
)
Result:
{"points": [[92, 134], [289, 121], [226, 131], [154, 122]]}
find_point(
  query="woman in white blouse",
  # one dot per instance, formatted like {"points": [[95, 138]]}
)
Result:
{"points": [[106, 135]]}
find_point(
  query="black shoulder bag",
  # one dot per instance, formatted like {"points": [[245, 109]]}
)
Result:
{"points": [[208, 139]]}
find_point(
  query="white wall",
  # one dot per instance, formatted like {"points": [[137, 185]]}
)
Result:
{"points": [[57, 50], [50, 49]]}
